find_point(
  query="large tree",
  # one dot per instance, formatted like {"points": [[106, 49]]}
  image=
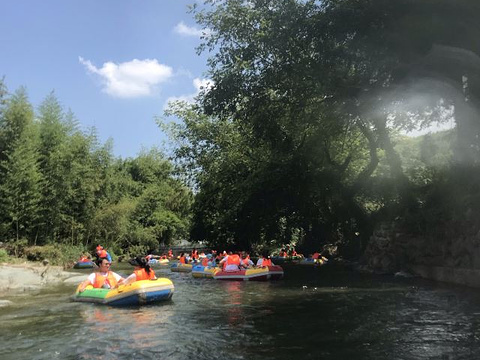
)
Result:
{"points": [[313, 93]]}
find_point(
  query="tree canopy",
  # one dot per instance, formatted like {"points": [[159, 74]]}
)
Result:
{"points": [[296, 139]]}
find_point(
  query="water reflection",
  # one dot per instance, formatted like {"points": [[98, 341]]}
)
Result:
{"points": [[234, 302]]}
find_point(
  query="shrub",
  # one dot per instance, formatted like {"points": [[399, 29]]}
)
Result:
{"points": [[57, 254], [3, 255]]}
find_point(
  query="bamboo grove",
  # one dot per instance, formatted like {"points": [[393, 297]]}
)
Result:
{"points": [[59, 185]]}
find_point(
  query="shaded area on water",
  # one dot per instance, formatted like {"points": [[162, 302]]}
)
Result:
{"points": [[312, 314]]}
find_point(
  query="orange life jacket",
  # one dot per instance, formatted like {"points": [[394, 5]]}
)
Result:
{"points": [[205, 261], [143, 275], [102, 254], [100, 280], [182, 259], [246, 261], [266, 262], [232, 260]]}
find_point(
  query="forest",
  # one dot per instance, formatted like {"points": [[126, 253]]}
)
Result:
{"points": [[60, 187], [299, 139]]}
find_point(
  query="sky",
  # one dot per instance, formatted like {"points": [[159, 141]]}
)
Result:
{"points": [[114, 63]]}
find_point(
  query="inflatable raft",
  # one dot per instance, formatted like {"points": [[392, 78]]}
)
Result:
{"points": [[258, 274], [279, 259], [200, 271], [83, 265], [178, 267], [286, 259], [138, 293], [275, 272], [158, 263], [312, 262]]}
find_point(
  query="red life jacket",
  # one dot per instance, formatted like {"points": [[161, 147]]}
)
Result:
{"points": [[205, 261], [232, 260], [100, 280], [315, 256], [266, 262], [142, 274], [182, 259]]}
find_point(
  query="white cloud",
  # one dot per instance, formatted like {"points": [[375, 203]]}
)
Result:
{"points": [[185, 30], [201, 84], [198, 84], [130, 79]]}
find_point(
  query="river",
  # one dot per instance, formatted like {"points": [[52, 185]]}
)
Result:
{"points": [[313, 313]]}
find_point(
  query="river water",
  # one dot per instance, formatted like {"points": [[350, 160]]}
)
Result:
{"points": [[314, 313]]}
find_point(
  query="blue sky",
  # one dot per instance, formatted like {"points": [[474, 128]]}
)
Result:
{"points": [[114, 63]]}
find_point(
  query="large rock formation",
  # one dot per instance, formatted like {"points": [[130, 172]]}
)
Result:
{"points": [[451, 256]]}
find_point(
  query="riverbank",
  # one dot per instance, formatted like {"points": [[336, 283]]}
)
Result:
{"points": [[453, 258], [22, 277]]}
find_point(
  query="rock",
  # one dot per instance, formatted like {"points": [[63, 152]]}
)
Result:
{"points": [[75, 279], [5, 303], [403, 274], [45, 262], [32, 276]]}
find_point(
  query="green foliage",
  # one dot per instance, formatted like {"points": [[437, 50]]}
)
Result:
{"points": [[61, 189], [3, 255], [111, 222], [63, 255], [299, 132]]}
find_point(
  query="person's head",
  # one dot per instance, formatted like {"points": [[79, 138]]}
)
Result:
{"points": [[103, 264], [140, 263]]}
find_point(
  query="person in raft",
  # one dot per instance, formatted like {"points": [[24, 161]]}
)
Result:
{"points": [[141, 271], [182, 259], [103, 278], [84, 258], [264, 260], [102, 253], [246, 262], [231, 262]]}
